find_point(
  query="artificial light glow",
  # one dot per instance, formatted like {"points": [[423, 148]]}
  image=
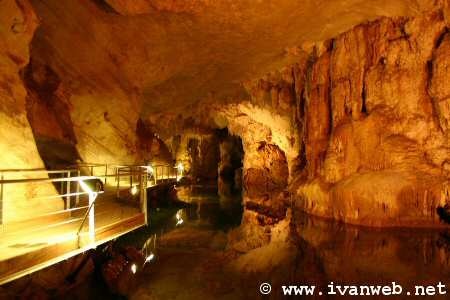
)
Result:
{"points": [[92, 196], [133, 268], [150, 169], [180, 170], [85, 187], [149, 258], [179, 218], [134, 190]]}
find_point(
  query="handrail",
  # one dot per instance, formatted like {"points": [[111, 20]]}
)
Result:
{"points": [[89, 212], [85, 217], [75, 168], [89, 164], [63, 195], [75, 217], [153, 173], [22, 170], [65, 179], [40, 170]]}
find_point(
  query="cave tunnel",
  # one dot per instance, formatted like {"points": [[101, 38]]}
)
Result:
{"points": [[224, 149]]}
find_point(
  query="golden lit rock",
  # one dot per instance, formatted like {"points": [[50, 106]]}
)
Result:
{"points": [[18, 23], [226, 127]]}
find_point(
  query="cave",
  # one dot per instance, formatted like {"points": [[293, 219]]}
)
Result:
{"points": [[156, 149]]}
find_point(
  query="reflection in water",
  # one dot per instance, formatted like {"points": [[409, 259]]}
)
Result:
{"points": [[348, 254], [351, 254], [207, 209], [321, 252]]}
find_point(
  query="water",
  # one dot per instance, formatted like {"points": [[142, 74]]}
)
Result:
{"points": [[209, 210], [200, 208], [188, 267], [328, 252], [352, 254]]}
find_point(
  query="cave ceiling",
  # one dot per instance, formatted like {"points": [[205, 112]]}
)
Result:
{"points": [[173, 54]]}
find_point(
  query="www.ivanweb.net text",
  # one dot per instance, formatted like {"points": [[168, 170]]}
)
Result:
{"points": [[391, 289]]}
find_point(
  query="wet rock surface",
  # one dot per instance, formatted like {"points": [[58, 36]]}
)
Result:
{"points": [[349, 94], [378, 156], [341, 110]]}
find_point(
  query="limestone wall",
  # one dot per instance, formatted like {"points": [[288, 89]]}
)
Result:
{"points": [[375, 124], [17, 147]]}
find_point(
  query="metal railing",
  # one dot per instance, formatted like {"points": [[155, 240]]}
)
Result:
{"points": [[70, 196], [20, 177]]}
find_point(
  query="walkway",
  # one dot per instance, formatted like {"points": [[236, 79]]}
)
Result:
{"points": [[48, 216]]}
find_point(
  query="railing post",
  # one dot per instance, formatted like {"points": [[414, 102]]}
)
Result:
{"points": [[143, 198], [1, 202], [92, 197], [77, 199], [106, 172], [118, 183], [61, 189], [68, 191], [155, 175], [131, 177], [90, 215]]}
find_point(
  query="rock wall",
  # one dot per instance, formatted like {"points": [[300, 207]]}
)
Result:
{"points": [[199, 154], [269, 146], [18, 23], [362, 122], [101, 105], [204, 157], [48, 112], [151, 147], [357, 129], [375, 124], [105, 127], [269, 140]]}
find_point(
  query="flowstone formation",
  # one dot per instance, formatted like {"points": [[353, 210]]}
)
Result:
{"points": [[359, 124], [376, 135]]}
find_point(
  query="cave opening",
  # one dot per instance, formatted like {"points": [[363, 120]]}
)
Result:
{"points": [[230, 164], [216, 159]]}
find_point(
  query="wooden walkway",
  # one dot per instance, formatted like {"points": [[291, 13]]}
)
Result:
{"points": [[32, 244]]}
